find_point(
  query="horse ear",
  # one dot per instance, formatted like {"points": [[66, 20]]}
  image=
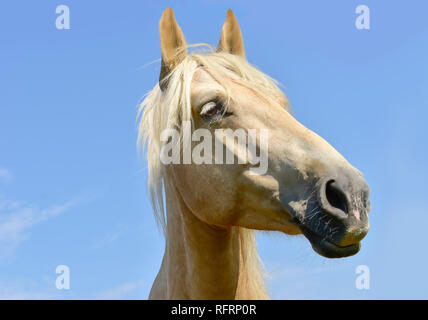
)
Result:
{"points": [[231, 36], [173, 45]]}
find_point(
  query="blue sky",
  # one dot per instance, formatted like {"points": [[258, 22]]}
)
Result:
{"points": [[72, 185]]}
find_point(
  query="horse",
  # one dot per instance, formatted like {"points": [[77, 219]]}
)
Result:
{"points": [[209, 211]]}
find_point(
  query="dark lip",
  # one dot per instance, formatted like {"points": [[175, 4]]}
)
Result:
{"points": [[325, 247]]}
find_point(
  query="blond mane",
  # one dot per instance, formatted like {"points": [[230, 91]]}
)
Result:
{"points": [[169, 108]]}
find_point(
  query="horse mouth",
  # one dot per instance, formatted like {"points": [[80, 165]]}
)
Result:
{"points": [[326, 248]]}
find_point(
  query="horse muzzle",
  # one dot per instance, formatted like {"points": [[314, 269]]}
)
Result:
{"points": [[337, 221]]}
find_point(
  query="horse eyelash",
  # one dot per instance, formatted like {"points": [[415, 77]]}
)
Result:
{"points": [[224, 113]]}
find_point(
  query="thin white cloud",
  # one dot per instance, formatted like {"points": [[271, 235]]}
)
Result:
{"points": [[109, 238], [23, 288], [17, 218], [121, 292], [5, 175]]}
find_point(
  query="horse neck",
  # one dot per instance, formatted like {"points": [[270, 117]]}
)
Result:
{"points": [[208, 262]]}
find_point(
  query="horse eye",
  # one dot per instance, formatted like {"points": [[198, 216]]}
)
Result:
{"points": [[211, 109]]}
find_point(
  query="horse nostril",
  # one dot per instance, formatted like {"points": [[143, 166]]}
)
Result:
{"points": [[335, 196]]}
